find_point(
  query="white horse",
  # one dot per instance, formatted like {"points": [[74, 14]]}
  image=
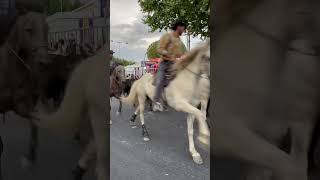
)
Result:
{"points": [[84, 102], [184, 93], [247, 122]]}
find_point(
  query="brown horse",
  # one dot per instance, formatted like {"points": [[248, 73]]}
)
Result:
{"points": [[117, 80], [16, 75]]}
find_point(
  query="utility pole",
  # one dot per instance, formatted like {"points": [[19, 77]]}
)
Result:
{"points": [[188, 41]]}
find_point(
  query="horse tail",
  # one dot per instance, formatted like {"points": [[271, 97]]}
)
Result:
{"points": [[132, 97], [69, 115]]}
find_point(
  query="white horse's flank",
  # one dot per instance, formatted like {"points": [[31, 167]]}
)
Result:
{"points": [[245, 79], [85, 102], [189, 88]]}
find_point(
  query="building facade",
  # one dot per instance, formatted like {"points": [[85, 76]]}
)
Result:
{"points": [[85, 25]]}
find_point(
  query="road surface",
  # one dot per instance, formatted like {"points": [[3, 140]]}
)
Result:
{"points": [[56, 159], [164, 157]]}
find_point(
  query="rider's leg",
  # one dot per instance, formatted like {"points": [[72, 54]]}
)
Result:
{"points": [[159, 84]]}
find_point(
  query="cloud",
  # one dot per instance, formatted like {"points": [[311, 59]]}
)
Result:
{"points": [[126, 26]]}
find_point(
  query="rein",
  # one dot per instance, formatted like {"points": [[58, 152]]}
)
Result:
{"points": [[276, 41], [199, 75], [20, 59]]}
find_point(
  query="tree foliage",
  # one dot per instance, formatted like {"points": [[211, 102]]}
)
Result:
{"points": [[123, 62], [152, 50], [53, 6], [161, 14]]}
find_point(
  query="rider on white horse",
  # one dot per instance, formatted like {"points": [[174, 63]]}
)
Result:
{"points": [[170, 49]]}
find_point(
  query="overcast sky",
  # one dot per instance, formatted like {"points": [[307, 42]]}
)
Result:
{"points": [[127, 26]]}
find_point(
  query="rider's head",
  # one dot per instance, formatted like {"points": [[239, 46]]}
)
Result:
{"points": [[179, 27], [111, 54]]}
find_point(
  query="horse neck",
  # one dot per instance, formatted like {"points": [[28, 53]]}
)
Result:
{"points": [[192, 70]]}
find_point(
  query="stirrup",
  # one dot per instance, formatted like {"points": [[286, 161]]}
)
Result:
{"points": [[157, 107]]}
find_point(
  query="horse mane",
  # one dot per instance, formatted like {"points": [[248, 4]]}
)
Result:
{"points": [[188, 58], [230, 12]]}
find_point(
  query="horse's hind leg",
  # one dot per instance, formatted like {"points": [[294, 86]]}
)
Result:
{"points": [[145, 133], [99, 128], [88, 155], [133, 118]]}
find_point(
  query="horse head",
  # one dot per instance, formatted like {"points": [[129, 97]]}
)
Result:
{"points": [[119, 74]]}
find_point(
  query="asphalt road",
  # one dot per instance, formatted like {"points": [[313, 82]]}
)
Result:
{"points": [[164, 157], [57, 154]]}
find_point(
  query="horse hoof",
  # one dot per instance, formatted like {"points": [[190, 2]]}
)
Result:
{"points": [[133, 126], [146, 138], [117, 112], [197, 159], [204, 139]]}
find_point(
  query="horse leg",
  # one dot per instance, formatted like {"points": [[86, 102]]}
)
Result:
{"points": [[194, 153], [184, 106], [87, 156], [133, 118], [99, 128], [110, 110], [145, 133], [301, 134], [203, 125], [234, 138], [119, 108], [31, 155], [1, 151]]}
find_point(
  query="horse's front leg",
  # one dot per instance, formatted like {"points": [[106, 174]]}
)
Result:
{"points": [[31, 155], [120, 107], [1, 151], [194, 153], [301, 134], [204, 133]]}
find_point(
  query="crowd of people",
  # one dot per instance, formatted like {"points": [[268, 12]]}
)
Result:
{"points": [[71, 47]]}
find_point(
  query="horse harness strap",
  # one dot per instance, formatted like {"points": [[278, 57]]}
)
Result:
{"points": [[280, 43], [20, 59], [265, 35]]}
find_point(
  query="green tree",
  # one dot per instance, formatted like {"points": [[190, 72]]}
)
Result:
{"points": [[152, 50], [123, 62], [53, 6], [161, 14]]}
